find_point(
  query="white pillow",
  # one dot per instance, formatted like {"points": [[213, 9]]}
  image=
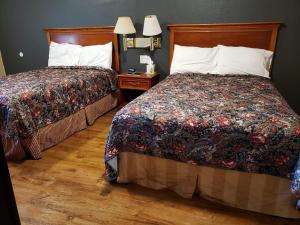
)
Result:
{"points": [[243, 60], [96, 55], [193, 59], [63, 54]]}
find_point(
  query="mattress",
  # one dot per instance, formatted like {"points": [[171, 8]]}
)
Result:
{"points": [[232, 122], [53, 134], [36, 99]]}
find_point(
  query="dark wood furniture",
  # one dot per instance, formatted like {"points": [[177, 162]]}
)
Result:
{"points": [[86, 36], [131, 85], [255, 35], [8, 208]]}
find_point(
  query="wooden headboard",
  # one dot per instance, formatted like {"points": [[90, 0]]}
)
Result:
{"points": [[86, 36], [254, 35]]}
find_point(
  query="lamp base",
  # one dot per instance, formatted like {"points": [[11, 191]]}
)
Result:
{"points": [[151, 42]]}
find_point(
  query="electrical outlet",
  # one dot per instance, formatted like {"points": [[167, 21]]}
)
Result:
{"points": [[144, 59]]}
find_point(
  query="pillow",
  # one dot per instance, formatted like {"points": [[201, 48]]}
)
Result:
{"points": [[242, 60], [96, 55], [63, 54], [193, 59]]}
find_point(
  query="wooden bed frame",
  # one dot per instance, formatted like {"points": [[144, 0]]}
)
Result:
{"points": [[255, 35], [86, 36], [234, 188], [47, 136]]}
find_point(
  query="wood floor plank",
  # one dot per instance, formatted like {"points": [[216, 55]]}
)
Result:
{"points": [[67, 186]]}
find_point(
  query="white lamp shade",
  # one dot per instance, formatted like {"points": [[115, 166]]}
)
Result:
{"points": [[151, 26], [124, 26]]}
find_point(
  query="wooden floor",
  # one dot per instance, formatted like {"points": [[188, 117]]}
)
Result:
{"points": [[67, 187]]}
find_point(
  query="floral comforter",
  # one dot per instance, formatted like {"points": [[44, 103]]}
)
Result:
{"points": [[233, 122], [32, 100]]}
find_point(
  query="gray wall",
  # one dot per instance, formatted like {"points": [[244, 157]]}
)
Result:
{"points": [[21, 24]]}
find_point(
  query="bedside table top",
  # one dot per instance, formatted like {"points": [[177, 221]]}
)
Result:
{"points": [[138, 74]]}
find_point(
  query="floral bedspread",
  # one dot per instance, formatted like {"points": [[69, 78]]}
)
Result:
{"points": [[34, 99], [232, 122]]}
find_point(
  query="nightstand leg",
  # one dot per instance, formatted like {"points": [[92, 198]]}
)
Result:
{"points": [[122, 100]]}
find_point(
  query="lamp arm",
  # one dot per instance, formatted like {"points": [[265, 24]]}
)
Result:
{"points": [[151, 43], [125, 42]]}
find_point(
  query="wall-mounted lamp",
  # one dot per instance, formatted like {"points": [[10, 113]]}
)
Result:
{"points": [[124, 26], [151, 28]]}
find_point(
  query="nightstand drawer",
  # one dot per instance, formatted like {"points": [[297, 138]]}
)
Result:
{"points": [[134, 83]]}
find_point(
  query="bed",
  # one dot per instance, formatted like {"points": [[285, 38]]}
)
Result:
{"points": [[42, 107], [230, 139]]}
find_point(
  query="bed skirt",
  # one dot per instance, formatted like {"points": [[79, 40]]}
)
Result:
{"points": [[53, 134], [255, 192]]}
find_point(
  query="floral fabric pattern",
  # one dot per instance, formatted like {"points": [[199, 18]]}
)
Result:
{"points": [[232, 122], [35, 99]]}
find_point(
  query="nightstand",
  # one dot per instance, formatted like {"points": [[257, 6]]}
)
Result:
{"points": [[132, 85]]}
